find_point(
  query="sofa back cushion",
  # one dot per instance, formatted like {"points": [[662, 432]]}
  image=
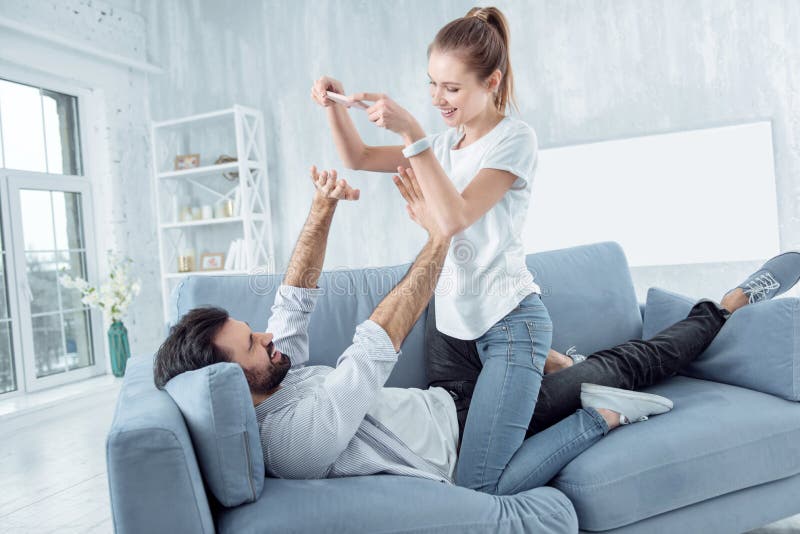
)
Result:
{"points": [[348, 299], [587, 289], [590, 296], [758, 347], [216, 404]]}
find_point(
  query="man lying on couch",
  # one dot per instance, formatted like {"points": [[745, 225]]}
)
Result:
{"points": [[318, 421]]}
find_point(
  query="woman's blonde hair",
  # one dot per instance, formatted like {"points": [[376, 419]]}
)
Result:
{"points": [[480, 39]]}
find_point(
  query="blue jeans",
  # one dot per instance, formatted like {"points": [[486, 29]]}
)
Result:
{"points": [[495, 457]]}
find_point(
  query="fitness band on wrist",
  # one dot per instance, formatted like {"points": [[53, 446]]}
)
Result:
{"points": [[416, 148]]}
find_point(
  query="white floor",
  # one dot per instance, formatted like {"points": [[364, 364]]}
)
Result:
{"points": [[52, 458]]}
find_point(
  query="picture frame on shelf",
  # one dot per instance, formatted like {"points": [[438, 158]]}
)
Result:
{"points": [[187, 161], [212, 261]]}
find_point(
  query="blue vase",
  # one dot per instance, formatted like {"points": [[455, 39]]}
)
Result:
{"points": [[118, 345]]}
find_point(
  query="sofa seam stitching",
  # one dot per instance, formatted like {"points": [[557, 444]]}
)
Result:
{"points": [[494, 524]]}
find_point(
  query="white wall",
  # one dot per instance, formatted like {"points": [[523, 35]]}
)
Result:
{"points": [[119, 129], [586, 71]]}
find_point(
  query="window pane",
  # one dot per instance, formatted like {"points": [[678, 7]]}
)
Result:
{"points": [[76, 268], [43, 270], [53, 236], [4, 312], [77, 333], [61, 133], [2, 158], [23, 132], [37, 219], [48, 345], [8, 381], [67, 216], [3, 290], [60, 350]]}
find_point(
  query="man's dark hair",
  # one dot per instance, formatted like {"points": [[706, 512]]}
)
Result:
{"points": [[188, 345]]}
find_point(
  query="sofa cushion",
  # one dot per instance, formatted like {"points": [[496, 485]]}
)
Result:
{"points": [[758, 348], [215, 402], [715, 441], [739, 511], [590, 296], [389, 503], [587, 290], [348, 299]]}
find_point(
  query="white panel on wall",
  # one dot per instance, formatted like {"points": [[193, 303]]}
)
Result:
{"points": [[689, 197]]}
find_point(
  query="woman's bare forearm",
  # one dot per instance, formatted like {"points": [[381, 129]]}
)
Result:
{"points": [[445, 202], [352, 150], [349, 145]]}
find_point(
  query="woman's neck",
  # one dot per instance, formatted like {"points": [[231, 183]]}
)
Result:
{"points": [[480, 126]]}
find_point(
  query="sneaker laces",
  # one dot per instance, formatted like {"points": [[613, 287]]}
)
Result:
{"points": [[572, 352], [623, 420], [759, 287]]}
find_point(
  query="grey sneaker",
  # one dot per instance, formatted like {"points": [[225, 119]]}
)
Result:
{"points": [[576, 358], [633, 406], [775, 277]]}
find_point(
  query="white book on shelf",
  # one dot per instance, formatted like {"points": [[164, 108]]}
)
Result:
{"points": [[230, 257], [242, 256], [237, 200], [239, 249]]}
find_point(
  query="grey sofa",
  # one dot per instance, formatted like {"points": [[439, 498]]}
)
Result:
{"points": [[726, 459]]}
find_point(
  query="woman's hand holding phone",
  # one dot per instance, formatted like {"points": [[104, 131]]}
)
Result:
{"points": [[321, 87]]}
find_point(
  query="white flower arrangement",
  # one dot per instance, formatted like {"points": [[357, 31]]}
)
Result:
{"points": [[115, 295]]}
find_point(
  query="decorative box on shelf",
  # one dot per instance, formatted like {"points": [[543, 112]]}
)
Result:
{"points": [[212, 195]]}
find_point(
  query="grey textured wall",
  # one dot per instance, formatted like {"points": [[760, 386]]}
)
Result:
{"points": [[586, 70], [121, 183]]}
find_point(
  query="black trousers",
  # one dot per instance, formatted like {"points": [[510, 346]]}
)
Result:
{"points": [[454, 365]]}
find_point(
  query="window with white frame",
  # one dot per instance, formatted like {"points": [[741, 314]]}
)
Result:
{"points": [[47, 335]]}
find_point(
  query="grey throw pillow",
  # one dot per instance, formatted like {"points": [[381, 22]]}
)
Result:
{"points": [[758, 347], [216, 404]]}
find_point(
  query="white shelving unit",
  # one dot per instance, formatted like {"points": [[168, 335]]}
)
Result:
{"points": [[237, 132]]}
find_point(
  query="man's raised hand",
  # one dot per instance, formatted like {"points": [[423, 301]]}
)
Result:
{"points": [[416, 206], [328, 185]]}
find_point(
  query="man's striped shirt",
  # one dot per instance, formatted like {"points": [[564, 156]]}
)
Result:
{"points": [[318, 424]]}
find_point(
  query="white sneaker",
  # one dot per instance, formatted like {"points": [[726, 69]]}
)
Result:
{"points": [[633, 406]]}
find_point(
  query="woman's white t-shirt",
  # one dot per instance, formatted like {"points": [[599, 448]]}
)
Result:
{"points": [[484, 275]]}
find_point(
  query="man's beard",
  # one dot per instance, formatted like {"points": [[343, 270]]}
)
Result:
{"points": [[264, 381]]}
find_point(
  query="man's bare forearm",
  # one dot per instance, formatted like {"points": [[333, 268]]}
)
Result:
{"points": [[404, 304], [309, 252]]}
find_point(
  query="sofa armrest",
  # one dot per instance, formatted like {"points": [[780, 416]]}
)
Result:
{"points": [[154, 480]]}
